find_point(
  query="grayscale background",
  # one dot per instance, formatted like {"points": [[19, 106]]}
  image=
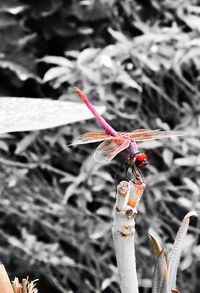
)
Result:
{"points": [[140, 59]]}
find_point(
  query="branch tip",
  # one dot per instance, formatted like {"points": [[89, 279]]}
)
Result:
{"points": [[123, 188]]}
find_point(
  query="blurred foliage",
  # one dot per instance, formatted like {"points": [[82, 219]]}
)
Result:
{"points": [[142, 60]]}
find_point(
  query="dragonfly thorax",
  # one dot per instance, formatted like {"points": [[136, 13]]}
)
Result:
{"points": [[139, 159]]}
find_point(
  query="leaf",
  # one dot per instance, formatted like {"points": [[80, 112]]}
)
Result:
{"points": [[184, 202], [14, 9], [155, 243], [191, 185], [25, 143], [160, 275], [125, 78], [54, 73], [22, 73], [160, 272], [190, 161], [193, 141], [87, 56], [25, 114], [91, 75], [4, 146], [57, 60], [104, 211], [106, 283], [148, 62], [187, 262], [146, 80], [177, 248], [120, 37], [192, 21], [196, 252], [167, 157], [189, 244], [84, 60], [100, 230]]}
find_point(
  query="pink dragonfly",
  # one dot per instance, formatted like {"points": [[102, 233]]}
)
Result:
{"points": [[114, 142]]}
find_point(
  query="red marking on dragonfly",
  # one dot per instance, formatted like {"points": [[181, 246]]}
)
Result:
{"points": [[113, 142], [140, 160]]}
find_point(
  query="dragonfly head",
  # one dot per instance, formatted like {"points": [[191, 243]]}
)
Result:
{"points": [[140, 160]]}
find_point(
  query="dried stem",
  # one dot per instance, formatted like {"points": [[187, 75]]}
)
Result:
{"points": [[16, 286], [128, 196], [5, 284], [25, 286]]}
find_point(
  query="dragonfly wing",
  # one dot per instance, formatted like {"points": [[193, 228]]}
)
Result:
{"points": [[139, 131], [92, 136], [108, 149], [148, 134]]}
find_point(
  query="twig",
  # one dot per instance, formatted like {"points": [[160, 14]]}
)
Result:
{"points": [[33, 166], [17, 287], [123, 233], [25, 286]]}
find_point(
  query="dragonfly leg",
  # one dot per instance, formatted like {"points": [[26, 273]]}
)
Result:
{"points": [[127, 177], [137, 173], [115, 176], [116, 173], [126, 171]]}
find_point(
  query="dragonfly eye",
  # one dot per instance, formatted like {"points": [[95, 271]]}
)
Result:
{"points": [[140, 160]]}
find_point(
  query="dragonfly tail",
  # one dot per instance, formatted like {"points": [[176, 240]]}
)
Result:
{"points": [[99, 118], [81, 94]]}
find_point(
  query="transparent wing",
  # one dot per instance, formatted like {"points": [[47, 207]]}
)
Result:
{"points": [[93, 136], [148, 134], [108, 149]]}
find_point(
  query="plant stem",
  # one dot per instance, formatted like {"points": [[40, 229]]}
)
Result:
{"points": [[123, 236], [5, 284]]}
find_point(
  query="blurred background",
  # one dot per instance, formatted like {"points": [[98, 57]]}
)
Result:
{"points": [[141, 59]]}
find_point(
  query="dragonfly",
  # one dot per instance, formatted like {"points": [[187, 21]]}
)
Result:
{"points": [[114, 142]]}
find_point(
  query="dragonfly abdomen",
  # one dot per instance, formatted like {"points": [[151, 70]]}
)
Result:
{"points": [[108, 129]]}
